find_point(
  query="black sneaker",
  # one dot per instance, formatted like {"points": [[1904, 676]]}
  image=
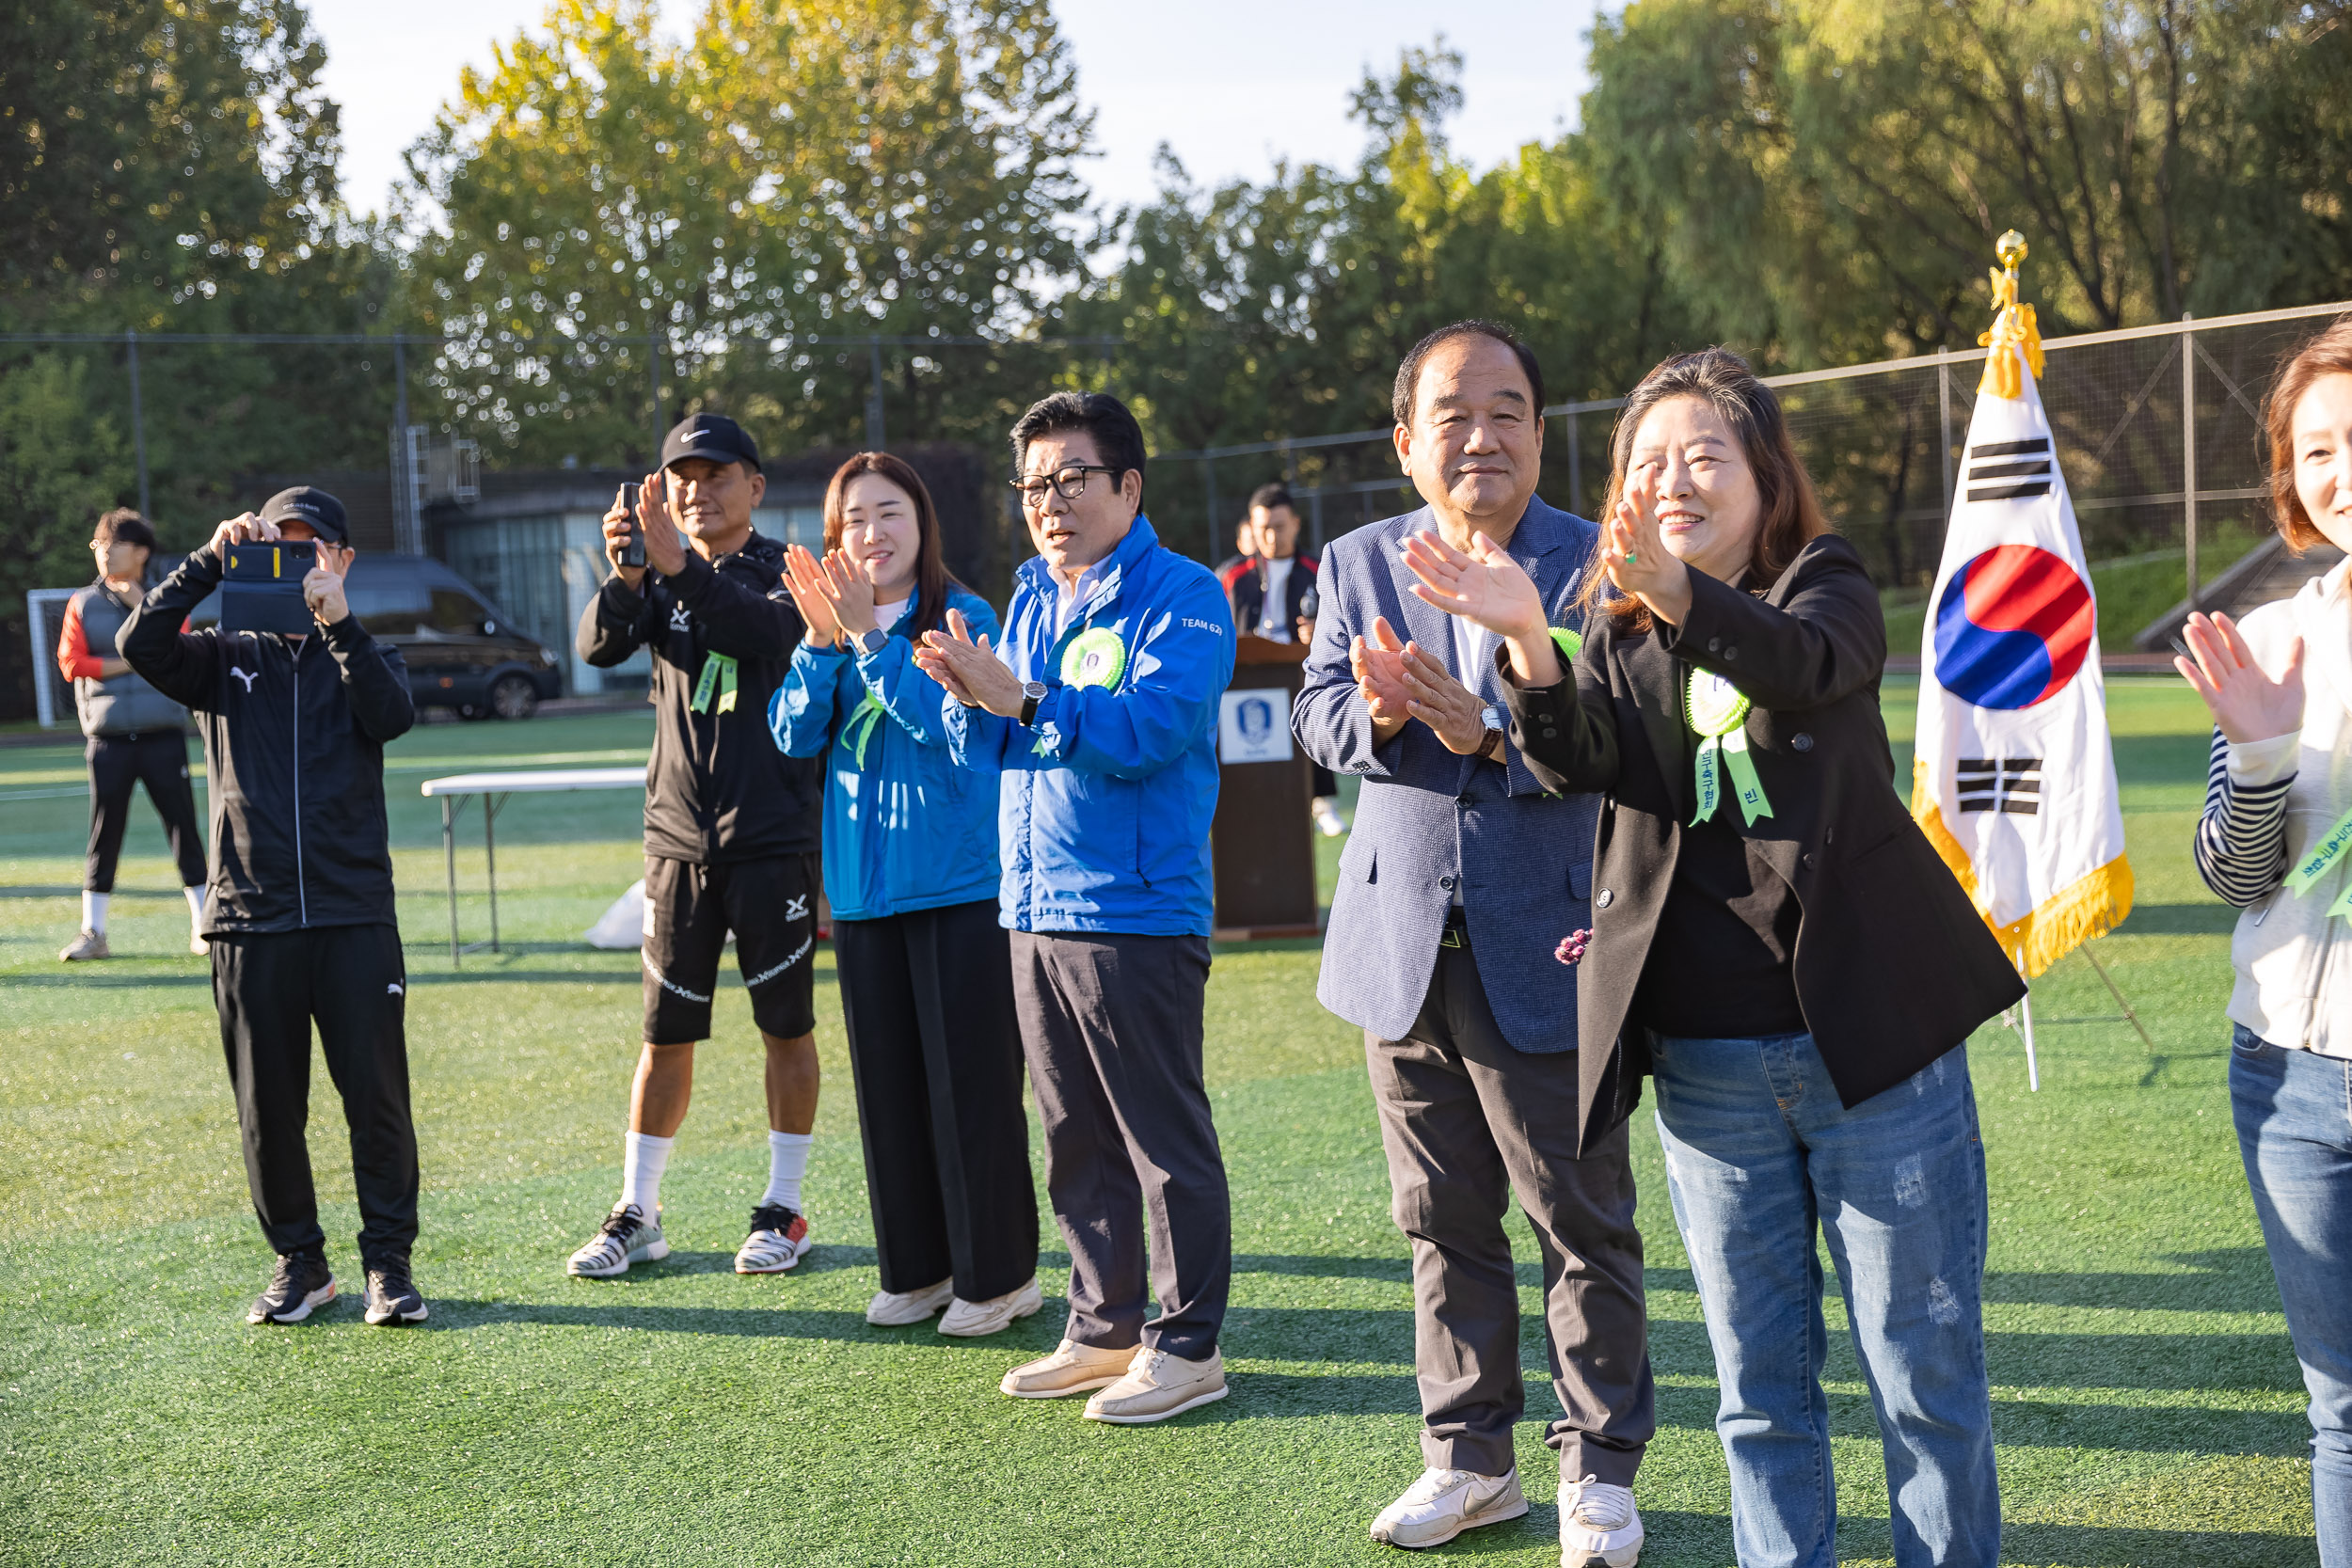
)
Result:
{"points": [[302, 1283], [393, 1298]]}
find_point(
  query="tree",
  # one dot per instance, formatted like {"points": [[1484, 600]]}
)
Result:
{"points": [[1252, 313], [813, 168], [1830, 177]]}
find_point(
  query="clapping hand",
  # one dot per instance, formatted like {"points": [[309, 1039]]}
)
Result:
{"points": [[972, 673], [2246, 704], [805, 579], [1486, 586], [852, 592], [1634, 553], [665, 547], [1378, 665], [1443, 704]]}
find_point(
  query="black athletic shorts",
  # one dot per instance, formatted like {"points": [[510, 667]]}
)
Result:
{"points": [[770, 906]]}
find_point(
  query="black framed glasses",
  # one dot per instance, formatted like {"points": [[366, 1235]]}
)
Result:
{"points": [[1068, 484]]}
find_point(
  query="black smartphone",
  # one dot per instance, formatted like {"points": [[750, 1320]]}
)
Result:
{"points": [[633, 547]]}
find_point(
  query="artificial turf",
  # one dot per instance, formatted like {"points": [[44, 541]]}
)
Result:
{"points": [[2147, 1404]]}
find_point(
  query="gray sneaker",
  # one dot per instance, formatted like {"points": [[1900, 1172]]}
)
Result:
{"points": [[89, 944]]}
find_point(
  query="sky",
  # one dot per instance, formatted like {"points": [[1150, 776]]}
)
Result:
{"points": [[1231, 84]]}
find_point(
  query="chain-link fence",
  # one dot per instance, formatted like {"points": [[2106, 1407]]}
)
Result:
{"points": [[2159, 433]]}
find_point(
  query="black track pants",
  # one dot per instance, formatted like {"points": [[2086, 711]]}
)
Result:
{"points": [[351, 980], [159, 760], [935, 1053]]}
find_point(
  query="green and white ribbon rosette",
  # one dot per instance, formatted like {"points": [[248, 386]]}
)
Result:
{"points": [[1094, 658], [1718, 712], [859, 732], [2322, 855]]}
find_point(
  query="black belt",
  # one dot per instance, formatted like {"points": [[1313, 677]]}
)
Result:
{"points": [[1456, 932]]}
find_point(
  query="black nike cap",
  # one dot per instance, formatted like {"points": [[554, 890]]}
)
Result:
{"points": [[713, 436], [308, 503]]}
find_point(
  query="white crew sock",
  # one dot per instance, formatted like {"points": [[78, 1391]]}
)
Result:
{"points": [[94, 910], [196, 901], [643, 1156], [787, 1162]]}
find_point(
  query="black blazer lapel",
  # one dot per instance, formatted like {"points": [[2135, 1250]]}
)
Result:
{"points": [[1648, 671]]}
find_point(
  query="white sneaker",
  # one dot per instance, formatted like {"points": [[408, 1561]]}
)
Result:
{"points": [[1327, 817], [1599, 1526], [1159, 1384], [897, 1308], [1444, 1503], [975, 1319], [625, 1237]]}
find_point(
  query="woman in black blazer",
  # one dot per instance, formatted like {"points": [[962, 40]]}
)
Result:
{"points": [[1776, 943]]}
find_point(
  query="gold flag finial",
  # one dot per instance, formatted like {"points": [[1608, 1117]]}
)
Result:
{"points": [[2014, 326]]}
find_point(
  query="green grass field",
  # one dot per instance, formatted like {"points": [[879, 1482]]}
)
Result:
{"points": [[2147, 1405]]}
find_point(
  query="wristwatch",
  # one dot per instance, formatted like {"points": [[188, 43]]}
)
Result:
{"points": [[871, 640], [1491, 747], [1032, 693]]}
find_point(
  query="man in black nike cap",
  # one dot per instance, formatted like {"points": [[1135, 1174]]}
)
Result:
{"points": [[299, 911], [731, 826]]}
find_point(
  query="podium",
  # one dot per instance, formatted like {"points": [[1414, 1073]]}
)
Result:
{"points": [[1261, 843]]}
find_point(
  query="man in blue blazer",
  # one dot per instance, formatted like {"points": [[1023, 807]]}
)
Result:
{"points": [[1460, 881]]}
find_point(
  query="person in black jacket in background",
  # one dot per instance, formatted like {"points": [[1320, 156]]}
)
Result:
{"points": [[731, 826], [299, 906], [1778, 946]]}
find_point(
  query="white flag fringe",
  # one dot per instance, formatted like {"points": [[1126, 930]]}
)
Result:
{"points": [[2014, 775]]}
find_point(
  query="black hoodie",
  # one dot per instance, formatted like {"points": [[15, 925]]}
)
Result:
{"points": [[294, 740], [718, 789]]}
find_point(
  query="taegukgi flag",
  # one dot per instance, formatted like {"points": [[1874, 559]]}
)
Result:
{"points": [[2014, 777]]}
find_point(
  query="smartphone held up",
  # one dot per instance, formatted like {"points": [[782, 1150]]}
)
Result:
{"points": [[633, 547]]}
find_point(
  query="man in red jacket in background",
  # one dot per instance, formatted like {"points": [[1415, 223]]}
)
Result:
{"points": [[135, 734], [1272, 589]]}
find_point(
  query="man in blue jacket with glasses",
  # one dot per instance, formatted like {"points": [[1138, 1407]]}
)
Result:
{"points": [[1100, 712]]}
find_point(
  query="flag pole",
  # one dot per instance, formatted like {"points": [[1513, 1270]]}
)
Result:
{"points": [[2118, 994], [2033, 1072]]}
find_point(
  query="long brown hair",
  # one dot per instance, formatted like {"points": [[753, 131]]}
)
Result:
{"points": [[1791, 510], [931, 576], [2328, 353]]}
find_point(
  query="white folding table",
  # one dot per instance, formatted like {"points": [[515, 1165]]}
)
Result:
{"points": [[456, 789]]}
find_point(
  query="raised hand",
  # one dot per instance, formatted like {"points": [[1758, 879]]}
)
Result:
{"points": [[2246, 704], [244, 525], [665, 547], [1443, 704], [1482, 584], [849, 592], [1634, 553], [322, 584], [805, 579], [616, 528], [972, 673]]}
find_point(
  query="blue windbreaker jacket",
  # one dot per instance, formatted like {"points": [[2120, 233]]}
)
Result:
{"points": [[1104, 810], [905, 827]]}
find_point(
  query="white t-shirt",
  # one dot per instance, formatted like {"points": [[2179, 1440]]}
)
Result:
{"points": [[889, 615], [1273, 623]]}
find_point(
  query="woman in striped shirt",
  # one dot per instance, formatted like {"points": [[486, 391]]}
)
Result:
{"points": [[2276, 840]]}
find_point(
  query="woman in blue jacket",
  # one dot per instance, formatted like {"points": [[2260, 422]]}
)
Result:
{"points": [[910, 869]]}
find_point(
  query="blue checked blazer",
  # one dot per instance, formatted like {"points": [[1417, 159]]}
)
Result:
{"points": [[1426, 816]]}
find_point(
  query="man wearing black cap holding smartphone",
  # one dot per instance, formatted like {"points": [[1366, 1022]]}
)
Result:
{"points": [[299, 910], [731, 824]]}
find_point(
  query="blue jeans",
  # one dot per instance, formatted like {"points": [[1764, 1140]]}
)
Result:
{"points": [[1759, 1150], [2294, 1115]]}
